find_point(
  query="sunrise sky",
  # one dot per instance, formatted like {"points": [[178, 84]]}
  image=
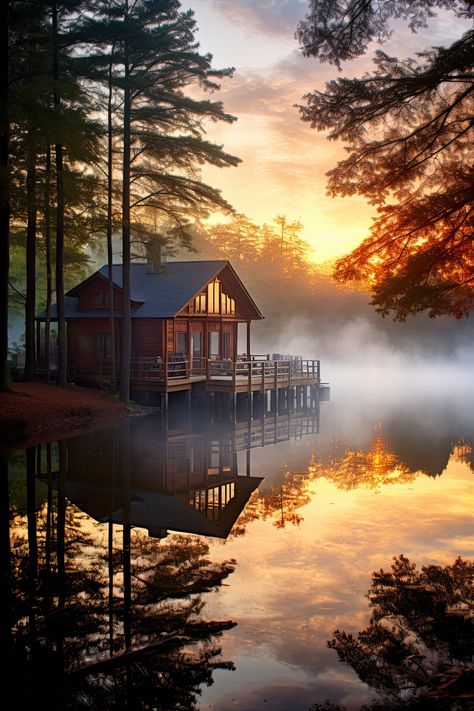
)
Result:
{"points": [[284, 160]]}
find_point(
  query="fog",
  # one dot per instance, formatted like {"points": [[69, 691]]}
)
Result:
{"points": [[427, 383]]}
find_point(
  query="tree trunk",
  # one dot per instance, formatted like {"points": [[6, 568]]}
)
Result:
{"points": [[62, 344], [30, 303], [126, 319], [109, 223], [32, 537], [6, 615], [4, 195], [47, 248]]}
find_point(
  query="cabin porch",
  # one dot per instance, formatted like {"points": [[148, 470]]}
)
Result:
{"points": [[260, 372]]}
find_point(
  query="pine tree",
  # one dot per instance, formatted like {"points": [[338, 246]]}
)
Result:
{"points": [[409, 129], [155, 59]]}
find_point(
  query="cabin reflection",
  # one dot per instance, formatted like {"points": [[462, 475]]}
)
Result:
{"points": [[195, 479]]}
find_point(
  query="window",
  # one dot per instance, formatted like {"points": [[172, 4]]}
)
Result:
{"points": [[213, 297], [196, 340], [182, 343], [213, 344], [228, 304], [214, 300], [101, 299], [200, 304], [226, 345], [104, 345]]}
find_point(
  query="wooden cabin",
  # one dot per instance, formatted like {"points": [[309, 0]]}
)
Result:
{"points": [[185, 318], [183, 315]]}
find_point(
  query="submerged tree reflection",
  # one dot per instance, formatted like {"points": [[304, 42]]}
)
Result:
{"points": [[91, 626], [417, 651], [278, 504]]}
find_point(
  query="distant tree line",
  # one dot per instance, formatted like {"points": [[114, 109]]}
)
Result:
{"points": [[98, 134]]}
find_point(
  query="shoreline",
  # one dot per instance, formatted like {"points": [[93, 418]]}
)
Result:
{"points": [[34, 413]]}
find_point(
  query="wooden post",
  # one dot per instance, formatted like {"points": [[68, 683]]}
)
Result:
{"points": [[248, 341], [234, 375], [233, 407], [189, 355]]}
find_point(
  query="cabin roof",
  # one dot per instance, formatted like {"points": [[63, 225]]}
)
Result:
{"points": [[158, 294]]}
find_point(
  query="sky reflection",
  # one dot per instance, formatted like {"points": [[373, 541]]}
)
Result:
{"points": [[332, 505], [415, 496]]}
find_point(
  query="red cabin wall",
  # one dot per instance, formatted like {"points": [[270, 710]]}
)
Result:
{"points": [[98, 286], [147, 340], [82, 339]]}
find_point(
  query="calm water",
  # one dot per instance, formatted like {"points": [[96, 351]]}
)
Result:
{"points": [[281, 523]]}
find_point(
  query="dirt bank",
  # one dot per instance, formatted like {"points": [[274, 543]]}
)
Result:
{"points": [[35, 412]]}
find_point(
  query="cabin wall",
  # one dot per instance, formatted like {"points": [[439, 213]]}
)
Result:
{"points": [[147, 337], [83, 343], [90, 291], [205, 326]]}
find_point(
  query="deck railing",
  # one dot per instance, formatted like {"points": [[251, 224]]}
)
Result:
{"points": [[152, 369], [277, 371]]}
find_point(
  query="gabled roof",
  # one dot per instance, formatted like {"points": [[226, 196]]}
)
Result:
{"points": [[163, 294]]}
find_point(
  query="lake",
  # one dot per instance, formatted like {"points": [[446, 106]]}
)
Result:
{"points": [[206, 565]]}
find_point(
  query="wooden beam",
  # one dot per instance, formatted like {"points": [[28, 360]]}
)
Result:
{"points": [[248, 340]]}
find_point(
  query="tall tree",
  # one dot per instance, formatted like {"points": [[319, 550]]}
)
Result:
{"points": [[408, 128], [163, 129], [58, 151], [4, 191]]}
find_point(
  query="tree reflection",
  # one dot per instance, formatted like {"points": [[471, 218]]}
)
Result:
{"points": [[354, 468], [347, 469], [417, 651], [279, 504], [93, 624]]}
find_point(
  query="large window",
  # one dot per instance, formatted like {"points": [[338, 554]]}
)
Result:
{"points": [[213, 297], [214, 301]]}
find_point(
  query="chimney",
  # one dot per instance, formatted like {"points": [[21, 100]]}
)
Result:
{"points": [[156, 256]]}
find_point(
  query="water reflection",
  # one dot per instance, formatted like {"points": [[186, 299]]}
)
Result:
{"points": [[95, 612], [103, 606], [88, 623], [418, 649], [184, 479]]}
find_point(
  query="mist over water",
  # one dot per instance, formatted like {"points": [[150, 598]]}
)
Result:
{"points": [[376, 378]]}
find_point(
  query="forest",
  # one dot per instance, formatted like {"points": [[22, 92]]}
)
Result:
{"points": [[105, 112]]}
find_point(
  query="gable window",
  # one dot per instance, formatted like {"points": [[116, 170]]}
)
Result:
{"points": [[213, 297], [100, 299], [200, 304], [214, 301], [228, 304]]}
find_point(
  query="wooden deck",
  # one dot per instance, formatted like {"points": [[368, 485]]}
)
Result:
{"points": [[239, 376], [258, 374]]}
